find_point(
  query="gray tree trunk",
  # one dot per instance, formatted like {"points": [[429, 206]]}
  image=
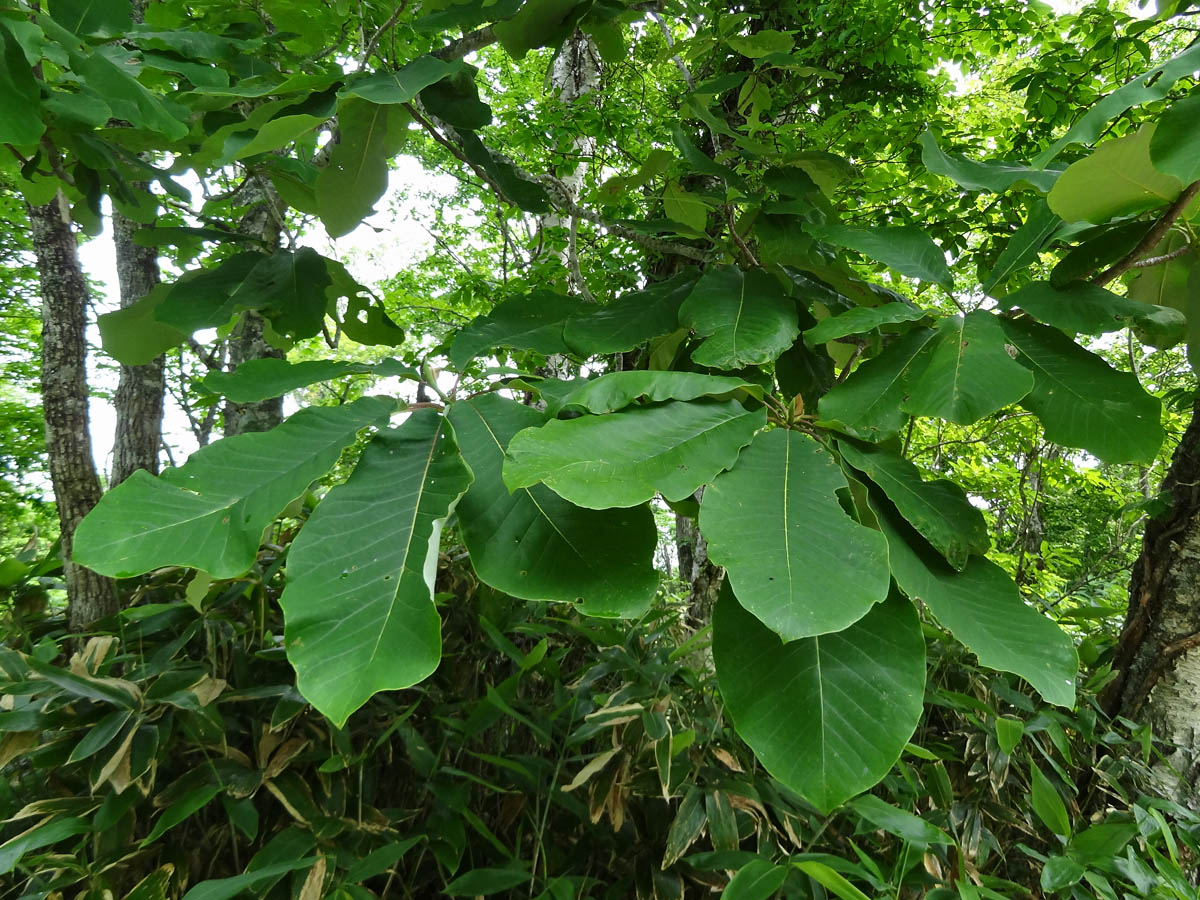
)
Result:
{"points": [[1156, 658], [65, 403], [139, 401], [264, 220]]}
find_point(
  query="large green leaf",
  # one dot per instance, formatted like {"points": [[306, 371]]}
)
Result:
{"points": [[539, 23], [1175, 147], [1081, 400], [535, 545], [1145, 88], [86, 17], [1023, 247], [210, 513], [617, 390], [968, 374], [287, 287], [793, 556], [532, 321], [631, 319], [128, 99], [370, 134], [862, 319], [20, 117], [906, 249], [1083, 308], [44, 834], [867, 404], [829, 715], [134, 335], [981, 176], [1116, 179], [938, 509], [259, 379], [983, 608], [625, 458], [745, 315], [366, 623], [404, 84]]}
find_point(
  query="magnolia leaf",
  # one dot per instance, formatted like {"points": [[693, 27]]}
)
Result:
{"points": [[128, 99], [1175, 146], [455, 100], [210, 512], [260, 379], [1081, 400], [356, 177], [625, 458], [852, 698], [1116, 179], [535, 545], [761, 43], [1085, 308], [685, 208], [532, 321], [967, 374], [366, 624], [1166, 284], [404, 84], [860, 320], [745, 315], [20, 118], [983, 609], [1024, 245], [938, 509], [617, 390], [867, 404], [134, 336], [906, 249], [982, 176], [86, 17], [791, 575], [539, 23], [631, 320]]}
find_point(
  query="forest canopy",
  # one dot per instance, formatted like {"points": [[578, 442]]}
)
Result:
{"points": [[769, 472]]}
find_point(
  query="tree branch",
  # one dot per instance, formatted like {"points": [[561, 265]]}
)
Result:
{"points": [[1152, 238]]}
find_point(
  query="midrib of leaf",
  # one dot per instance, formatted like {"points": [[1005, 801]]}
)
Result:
{"points": [[1137, 184], [367, 144], [738, 318], [787, 545]]}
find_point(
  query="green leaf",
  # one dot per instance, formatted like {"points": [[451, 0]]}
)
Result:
{"points": [[938, 509], [685, 207], [100, 735], [1175, 146], [20, 116], [455, 100], [404, 84], [758, 879], [867, 404], [370, 135], [1116, 179], [1101, 843], [1008, 733], [853, 698], [745, 315], [1084, 308], [210, 512], [625, 458], [1023, 247], [968, 373], [535, 545], [289, 288], [630, 320], [1104, 245], [259, 379], [1060, 873], [228, 888], [983, 609], [87, 17], [485, 881], [128, 99], [1166, 284], [617, 390], [830, 879], [860, 320], [154, 886], [181, 809], [981, 176], [792, 574], [37, 837], [1082, 401], [685, 827], [539, 23], [134, 335], [906, 249], [513, 184], [1145, 88], [761, 43], [358, 626], [1047, 803], [532, 321], [896, 821]]}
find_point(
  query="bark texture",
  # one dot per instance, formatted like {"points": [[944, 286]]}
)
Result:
{"points": [[139, 401], [1158, 666], [263, 220], [65, 403]]}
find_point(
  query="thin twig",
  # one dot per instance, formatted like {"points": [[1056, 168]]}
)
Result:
{"points": [[379, 32], [737, 239], [1152, 237]]}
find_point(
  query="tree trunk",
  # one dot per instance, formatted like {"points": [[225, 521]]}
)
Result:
{"points": [[139, 401], [65, 403], [1158, 667]]}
